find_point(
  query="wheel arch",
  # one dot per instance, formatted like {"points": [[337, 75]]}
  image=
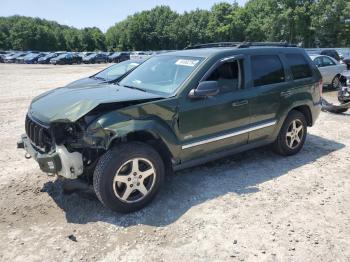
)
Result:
{"points": [[150, 138], [305, 110]]}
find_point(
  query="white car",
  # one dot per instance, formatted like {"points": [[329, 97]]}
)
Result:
{"points": [[140, 55], [330, 69]]}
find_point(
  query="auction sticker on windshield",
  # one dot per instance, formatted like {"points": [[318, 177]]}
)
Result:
{"points": [[187, 62]]}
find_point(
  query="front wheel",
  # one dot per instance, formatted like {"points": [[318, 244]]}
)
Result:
{"points": [[335, 85], [292, 135], [128, 177]]}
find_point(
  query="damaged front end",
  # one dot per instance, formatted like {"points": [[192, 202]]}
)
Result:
{"points": [[70, 149], [62, 133], [50, 146]]}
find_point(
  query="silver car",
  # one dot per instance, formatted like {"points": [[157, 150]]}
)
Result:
{"points": [[330, 69]]}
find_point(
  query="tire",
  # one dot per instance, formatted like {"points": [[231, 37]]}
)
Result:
{"points": [[335, 83], [283, 145], [116, 183]]}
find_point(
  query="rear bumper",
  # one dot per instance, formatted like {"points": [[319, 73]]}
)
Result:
{"points": [[60, 162], [316, 111]]}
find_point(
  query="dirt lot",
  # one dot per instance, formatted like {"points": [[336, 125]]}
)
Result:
{"points": [[255, 206]]}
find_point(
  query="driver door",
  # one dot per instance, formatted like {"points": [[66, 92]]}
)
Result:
{"points": [[215, 123]]}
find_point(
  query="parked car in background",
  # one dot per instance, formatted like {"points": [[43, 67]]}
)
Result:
{"points": [[137, 55], [20, 59], [28, 54], [111, 73], [95, 58], [84, 54], [11, 58], [46, 59], [77, 59], [32, 58], [118, 57], [332, 53], [2, 55], [330, 69], [66, 59], [328, 52]]}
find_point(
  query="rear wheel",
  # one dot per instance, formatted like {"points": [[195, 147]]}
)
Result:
{"points": [[292, 135], [128, 177]]}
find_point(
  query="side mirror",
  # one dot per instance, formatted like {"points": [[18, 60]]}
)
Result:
{"points": [[205, 89]]}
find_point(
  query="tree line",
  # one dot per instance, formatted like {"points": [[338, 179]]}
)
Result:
{"points": [[27, 33], [311, 23]]}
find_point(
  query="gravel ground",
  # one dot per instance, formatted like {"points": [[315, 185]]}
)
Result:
{"points": [[255, 206]]}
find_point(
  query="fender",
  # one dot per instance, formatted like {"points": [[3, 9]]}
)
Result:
{"points": [[116, 126], [313, 106]]}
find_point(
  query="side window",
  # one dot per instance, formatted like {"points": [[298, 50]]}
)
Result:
{"points": [[327, 61], [228, 75], [267, 69], [299, 66], [318, 62]]}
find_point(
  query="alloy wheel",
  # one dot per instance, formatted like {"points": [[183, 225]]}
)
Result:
{"points": [[294, 134], [134, 180]]}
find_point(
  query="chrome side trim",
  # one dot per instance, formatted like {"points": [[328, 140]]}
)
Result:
{"points": [[250, 129]]}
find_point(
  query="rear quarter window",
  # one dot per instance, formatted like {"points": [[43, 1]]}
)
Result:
{"points": [[267, 70], [299, 66]]}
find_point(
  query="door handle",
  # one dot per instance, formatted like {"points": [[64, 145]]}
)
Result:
{"points": [[240, 103]]}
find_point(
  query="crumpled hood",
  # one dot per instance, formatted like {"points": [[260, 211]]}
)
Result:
{"points": [[85, 81], [68, 104]]}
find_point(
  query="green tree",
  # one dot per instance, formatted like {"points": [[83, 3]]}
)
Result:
{"points": [[309, 22]]}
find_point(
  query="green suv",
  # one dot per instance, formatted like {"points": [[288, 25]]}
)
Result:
{"points": [[174, 111]]}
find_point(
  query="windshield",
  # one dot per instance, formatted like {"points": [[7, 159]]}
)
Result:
{"points": [[61, 56], [91, 55], [31, 55], [161, 73], [50, 55], [117, 70]]}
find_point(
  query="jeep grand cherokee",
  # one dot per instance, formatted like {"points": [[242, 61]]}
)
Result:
{"points": [[174, 111]]}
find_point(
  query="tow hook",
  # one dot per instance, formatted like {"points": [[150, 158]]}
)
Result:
{"points": [[20, 145], [27, 156]]}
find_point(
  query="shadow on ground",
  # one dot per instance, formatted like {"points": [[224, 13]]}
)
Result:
{"points": [[239, 174]]}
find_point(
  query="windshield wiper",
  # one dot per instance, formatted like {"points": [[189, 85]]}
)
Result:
{"points": [[134, 87], [98, 78]]}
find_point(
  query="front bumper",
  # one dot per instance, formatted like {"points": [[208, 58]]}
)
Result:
{"points": [[344, 92], [60, 162]]}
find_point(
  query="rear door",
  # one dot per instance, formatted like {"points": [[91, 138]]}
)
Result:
{"points": [[269, 82]]}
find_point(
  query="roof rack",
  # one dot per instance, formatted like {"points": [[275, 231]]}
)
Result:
{"points": [[277, 44], [241, 44], [210, 45]]}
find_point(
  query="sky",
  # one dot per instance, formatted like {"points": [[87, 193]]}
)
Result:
{"points": [[99, 13]]}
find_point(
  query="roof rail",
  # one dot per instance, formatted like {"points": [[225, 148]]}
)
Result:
{"points": [[210, 45], [278, 44], [241, 44]]}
